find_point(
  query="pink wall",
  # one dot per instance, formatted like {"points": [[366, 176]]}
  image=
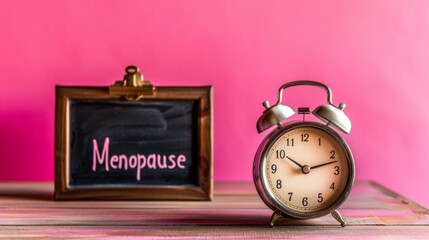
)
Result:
{"points": [[373, 54]]}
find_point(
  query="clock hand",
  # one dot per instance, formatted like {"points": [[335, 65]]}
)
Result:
{"points": [[323, 164], [304, 169], [294, 162]]}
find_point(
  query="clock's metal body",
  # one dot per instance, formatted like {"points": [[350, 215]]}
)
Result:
{"points": [[265, 193], [332, 116]]}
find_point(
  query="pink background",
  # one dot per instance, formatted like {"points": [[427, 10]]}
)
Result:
{"points": [[373, 54]]}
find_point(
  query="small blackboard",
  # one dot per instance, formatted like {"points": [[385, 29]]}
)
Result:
{"points": [[137, 143], [151, 147]]}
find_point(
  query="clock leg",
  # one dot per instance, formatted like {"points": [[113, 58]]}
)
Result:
{"points": [[276, 216], [338, 217]]}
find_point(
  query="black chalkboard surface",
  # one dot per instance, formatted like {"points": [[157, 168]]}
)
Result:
{"points": [[156, 147], [141, 143]]}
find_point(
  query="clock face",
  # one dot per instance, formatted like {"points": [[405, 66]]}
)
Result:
{"points": [[307, 170]]}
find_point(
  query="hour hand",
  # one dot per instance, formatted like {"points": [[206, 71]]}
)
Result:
{"points": [[323, 164], [294, 162]]}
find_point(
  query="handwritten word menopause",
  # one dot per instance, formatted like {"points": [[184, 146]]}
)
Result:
{"points": [[136, 161]]}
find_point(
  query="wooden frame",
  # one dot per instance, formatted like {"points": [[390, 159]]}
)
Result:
{"points": [[203, 96]]}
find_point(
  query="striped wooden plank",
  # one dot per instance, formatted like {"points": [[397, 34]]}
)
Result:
{"points": [[28, 210]]}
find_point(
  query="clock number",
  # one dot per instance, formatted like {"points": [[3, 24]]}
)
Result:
{"points": [[304, 137], [337, 170], [279, 184], [332, 186], [280, 154], [320, 142], [290, 196], [332, 152], [319, 198], [304, 201], [289, 142], [273, 168]]}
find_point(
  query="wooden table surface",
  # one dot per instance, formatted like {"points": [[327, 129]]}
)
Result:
{"points": [[27, 210]]}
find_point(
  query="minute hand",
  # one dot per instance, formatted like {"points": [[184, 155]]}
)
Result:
{"points": [[323, 164]]}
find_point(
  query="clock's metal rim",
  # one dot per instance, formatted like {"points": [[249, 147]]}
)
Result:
{"points": [[258, 171]]}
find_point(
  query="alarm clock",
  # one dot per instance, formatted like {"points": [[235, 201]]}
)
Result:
{"points": [[304, 169]]}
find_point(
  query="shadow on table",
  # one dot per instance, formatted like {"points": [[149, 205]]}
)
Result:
{"points": [[23, 193]]}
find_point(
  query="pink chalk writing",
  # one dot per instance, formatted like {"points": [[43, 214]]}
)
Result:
{"points": [[136, 161]]}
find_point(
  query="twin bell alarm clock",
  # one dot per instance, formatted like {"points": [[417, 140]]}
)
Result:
{"points": [[304, 169]]}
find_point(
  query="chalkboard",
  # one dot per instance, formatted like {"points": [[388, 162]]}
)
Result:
{"points": [[158, 147]]}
